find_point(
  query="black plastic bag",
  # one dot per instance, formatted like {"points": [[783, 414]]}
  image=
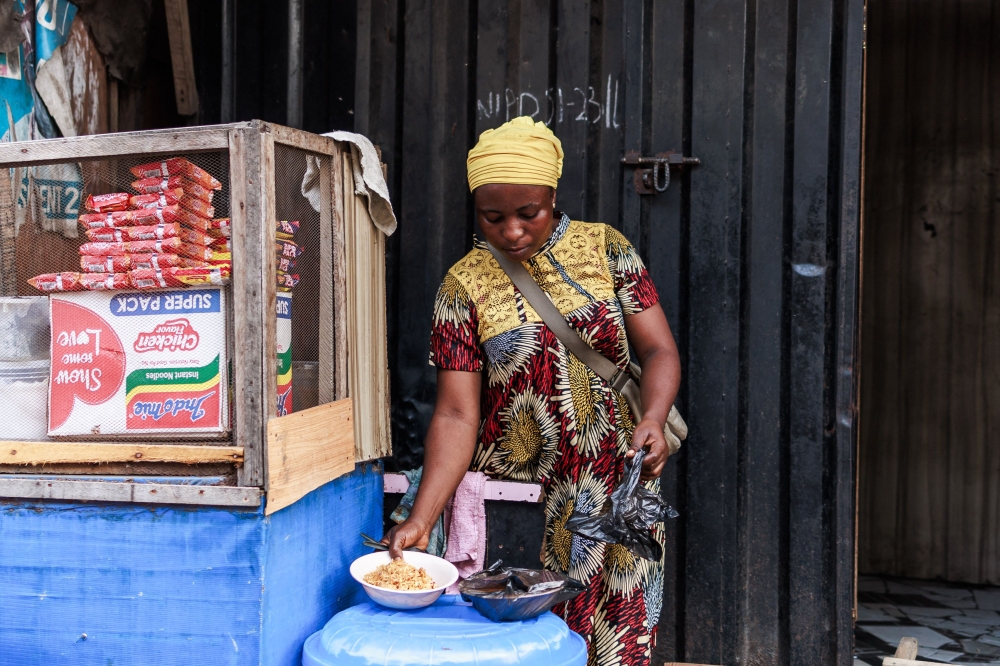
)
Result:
{"points": [[507, 594], [629, 520]]}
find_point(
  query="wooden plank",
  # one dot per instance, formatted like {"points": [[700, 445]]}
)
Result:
{"points": [[534, 39], [620, 39], [712, 374], [327, 359], [492, 108], [572, 70], [153, 142], [434, 231], [181, 56], [47, 453], [666, 255], [314, 143], [368, 381], [306, 450], [248, 351], [810, 605], [618, 182], [130, 468], [495, 489], [141, 493], [269, 290], [847, 359], [762, 312], [340, 317]]}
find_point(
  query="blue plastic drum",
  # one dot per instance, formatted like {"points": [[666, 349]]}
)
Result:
{"points": [[448, 632]]}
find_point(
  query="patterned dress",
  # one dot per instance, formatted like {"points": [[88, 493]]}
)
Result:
{"points": [[547, 418]]}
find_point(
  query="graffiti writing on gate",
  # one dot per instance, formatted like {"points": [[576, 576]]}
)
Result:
{"points": [[555, 105]]}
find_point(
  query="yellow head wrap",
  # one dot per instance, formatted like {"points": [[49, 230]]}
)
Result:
{"points": [[521, 152]]}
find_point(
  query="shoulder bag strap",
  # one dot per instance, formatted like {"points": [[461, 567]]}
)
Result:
{"points": [[602, 366]]}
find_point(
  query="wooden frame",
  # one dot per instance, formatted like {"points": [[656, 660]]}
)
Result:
{"points": [[352, 333]]}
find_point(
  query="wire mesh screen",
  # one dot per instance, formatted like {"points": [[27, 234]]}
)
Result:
{"points": [[297, 203], [131, 340]]}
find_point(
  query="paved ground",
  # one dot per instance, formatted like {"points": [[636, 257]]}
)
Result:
{"points": [[953, 623]]}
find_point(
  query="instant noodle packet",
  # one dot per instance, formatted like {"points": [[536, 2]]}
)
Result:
{"points": [[290, 249], [216, 226], [164, 199], [223, 229], [159, 278], [287, 281], [104, 281], [285, 265], [155, 185], [93, 264], [133, 262], [165, 246], [124, 218], [203, 253], [287, 228], [176, 166], [49, 282], [196, 237], [106, 203], [152, 232]]}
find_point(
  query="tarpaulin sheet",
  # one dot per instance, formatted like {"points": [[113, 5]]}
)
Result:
{"points": [[130, 584]]}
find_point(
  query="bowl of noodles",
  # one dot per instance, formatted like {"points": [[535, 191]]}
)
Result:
{"points": [[415, 581]]}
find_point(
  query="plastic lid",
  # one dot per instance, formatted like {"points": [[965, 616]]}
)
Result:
{"points": [[24, 370], [449, 631]]}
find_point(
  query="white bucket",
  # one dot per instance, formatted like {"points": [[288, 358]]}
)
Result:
{"points": [[24, 328], [24, 389]]}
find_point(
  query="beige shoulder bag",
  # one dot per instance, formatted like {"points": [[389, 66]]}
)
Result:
{"points": [[627, 383]]}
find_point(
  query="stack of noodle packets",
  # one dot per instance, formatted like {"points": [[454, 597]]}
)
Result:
{"points": [[164, 235]]}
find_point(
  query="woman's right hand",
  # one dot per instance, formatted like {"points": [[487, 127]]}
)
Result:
{"points": [[407, 534]]}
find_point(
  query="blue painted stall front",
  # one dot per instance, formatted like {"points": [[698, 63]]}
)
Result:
{"points": [[133, 584]]}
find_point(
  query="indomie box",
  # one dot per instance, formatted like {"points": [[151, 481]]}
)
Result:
{"points": [[147, 363], [283, 337]]}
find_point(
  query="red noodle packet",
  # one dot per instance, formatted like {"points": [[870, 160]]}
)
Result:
{"points": [[113, 249], [156, 185], [152, 232], [106, 203], [164, 199], [159, 278], [104, 281], [176, 166], [49, 282]]}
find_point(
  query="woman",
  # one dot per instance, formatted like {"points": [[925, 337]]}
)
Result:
{"points": [[513, 403]]}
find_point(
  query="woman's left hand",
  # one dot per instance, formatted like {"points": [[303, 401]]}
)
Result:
{"points": [[649, 435]]}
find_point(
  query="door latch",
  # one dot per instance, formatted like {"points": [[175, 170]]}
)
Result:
{"points": [[655, 178]]}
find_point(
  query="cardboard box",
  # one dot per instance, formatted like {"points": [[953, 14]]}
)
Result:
{"points": [[139, 363], [283, 336]]}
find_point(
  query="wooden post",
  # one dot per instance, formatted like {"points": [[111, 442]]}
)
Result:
{"points": [[327, 366], [181, 56], [248, 348], [340, 389]]}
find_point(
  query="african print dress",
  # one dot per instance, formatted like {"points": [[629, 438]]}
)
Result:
{"points": [[547, 418]]}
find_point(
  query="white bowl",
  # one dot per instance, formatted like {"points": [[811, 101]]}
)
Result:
{"points": [[441, 571]]}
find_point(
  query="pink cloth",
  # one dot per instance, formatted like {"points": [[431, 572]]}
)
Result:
{"points": [[465, 517]]}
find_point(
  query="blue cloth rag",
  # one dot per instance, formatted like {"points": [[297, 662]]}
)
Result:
{"points": [[438, 539]]}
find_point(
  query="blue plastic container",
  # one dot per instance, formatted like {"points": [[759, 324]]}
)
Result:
{"points": [[448, 632]]}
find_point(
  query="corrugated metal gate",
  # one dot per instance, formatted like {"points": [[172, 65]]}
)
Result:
{"points": [[754, 252]]}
